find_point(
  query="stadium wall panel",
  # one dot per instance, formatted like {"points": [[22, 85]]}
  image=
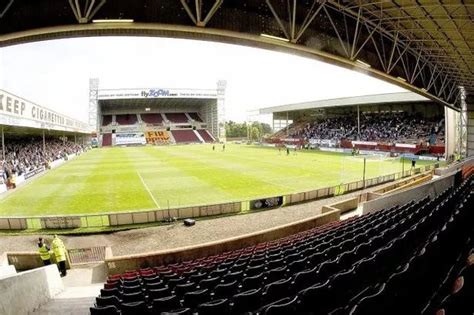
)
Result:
{"points": [[24, 292], [122, 263], [29, 260], [13, 224], [431, 189]]}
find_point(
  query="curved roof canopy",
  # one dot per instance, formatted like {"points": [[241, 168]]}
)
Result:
{"points": [[425, 46]]}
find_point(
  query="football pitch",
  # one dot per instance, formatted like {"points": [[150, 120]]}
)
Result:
{"points": [[139, 178]]}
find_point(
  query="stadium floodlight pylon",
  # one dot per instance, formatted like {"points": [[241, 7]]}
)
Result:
{"points": [[462, 124]]}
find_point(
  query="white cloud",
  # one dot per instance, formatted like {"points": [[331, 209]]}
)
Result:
{"points": [[56, 73]]}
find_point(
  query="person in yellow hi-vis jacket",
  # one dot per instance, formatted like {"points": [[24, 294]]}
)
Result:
{"points": [[13, 180], [44, 252], [59, 251]]}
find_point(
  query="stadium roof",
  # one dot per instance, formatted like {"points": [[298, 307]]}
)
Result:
{"points": [[425, 46], [394, 98]]}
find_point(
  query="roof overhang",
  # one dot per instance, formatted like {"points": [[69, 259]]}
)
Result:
{"points": [[376, 99]]}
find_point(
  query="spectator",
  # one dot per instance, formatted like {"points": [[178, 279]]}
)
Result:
{"points": [[383, 127], [27, 154], [60, 253], [461, 298], [44, 252]]}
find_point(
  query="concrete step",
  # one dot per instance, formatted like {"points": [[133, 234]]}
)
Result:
{"points": [[73, 306], [73, 300]]}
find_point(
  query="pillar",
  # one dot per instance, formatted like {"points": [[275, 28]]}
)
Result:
{"points": [[3, 144], [470, 125]]}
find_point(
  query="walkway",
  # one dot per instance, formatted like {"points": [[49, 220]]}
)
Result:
{"points": [[81, 286]]}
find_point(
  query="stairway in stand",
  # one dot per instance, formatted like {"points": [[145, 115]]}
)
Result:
{"points": [[81, 286]]}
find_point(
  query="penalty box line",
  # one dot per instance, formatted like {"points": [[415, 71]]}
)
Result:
{"points": [[148, 190]]}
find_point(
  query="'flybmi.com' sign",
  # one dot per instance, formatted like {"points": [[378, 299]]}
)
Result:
{"points": [[155, 93]]}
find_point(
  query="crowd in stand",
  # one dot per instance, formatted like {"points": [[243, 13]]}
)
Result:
{"points": [[26, 154], [386, 127]]}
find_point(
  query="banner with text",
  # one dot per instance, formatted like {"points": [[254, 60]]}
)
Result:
{"points": [[155, 93], [17, 111]]}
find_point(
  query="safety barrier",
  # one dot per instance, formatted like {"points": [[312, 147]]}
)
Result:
{"points": [[116, 219]]}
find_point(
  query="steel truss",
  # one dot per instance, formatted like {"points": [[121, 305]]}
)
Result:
{"points": [[85, 11], [197, 15], [403, 47], [5, 9]]}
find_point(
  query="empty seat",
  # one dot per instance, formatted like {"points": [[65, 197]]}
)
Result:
{"points": [[159, 293], [134, 289], [134, 308], [313, 296], [208, 283], [107, 301], [181, 289], [304, 279], [215, 307], [371, 304], [275, 274], [233, 276], [107, 310], [254, 270], [297, 265], [197, 277], [253, 282], [133, 297], [194, 298], [225, 290], [276, 290], [246, 301], [282, 307], [110, 292], [165, 304]]}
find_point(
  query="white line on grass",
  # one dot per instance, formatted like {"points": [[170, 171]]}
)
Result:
{"points": [[148, 190]]}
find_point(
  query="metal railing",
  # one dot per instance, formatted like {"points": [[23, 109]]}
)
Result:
{"points": [[86, 255], [115, 219]]}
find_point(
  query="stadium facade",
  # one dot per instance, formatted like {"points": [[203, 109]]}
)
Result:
{"points": [[138, 116]]}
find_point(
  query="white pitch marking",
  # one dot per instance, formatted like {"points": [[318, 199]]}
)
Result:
{"points": [[148, 190]]}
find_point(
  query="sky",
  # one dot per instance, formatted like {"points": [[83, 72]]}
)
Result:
{"points": [[56, 73]]}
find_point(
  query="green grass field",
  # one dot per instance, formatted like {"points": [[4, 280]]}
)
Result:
{"points": [[137, 178]]}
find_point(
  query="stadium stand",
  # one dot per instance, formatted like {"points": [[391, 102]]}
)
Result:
{"points": [[394, 261], [106, 120], [384, 127], [23, 155], [205, 135], [185, 136], [177, 118], [127, 119], [152, 119], [195, 116]]}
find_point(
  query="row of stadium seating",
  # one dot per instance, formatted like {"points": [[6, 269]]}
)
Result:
{"points": [[388, 262], [151, 119], [163, 137], [391, 127]]}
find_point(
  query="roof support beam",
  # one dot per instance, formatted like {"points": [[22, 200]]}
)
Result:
{"points": [[343, 45], [197, 17], [89, 8], [292, 33], [9, 4]]}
